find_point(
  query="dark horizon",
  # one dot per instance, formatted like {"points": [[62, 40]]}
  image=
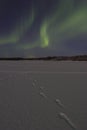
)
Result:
{"points": [[47, 58]]}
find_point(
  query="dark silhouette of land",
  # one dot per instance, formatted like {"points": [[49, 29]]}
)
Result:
{"points": [[50, 58]]}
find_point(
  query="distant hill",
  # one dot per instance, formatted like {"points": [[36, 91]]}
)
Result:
{"points": [[51, 58]]}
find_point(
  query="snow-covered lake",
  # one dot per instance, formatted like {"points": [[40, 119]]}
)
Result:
{"points": [[32, 94]]}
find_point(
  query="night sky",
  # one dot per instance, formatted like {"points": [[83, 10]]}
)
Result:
{"points": [[34, 28]]}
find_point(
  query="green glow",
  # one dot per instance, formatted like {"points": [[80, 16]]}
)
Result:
{"points": [[65, 7], [65, 22], [29, 46], [74, 24], [78, 18], [43, 34], [25, 23], [10, 39], [51, 21], [19, 30]]}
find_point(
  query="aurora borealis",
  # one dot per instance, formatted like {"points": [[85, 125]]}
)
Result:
{"points": [[43, 27]]}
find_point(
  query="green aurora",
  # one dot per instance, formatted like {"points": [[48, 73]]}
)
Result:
{"points": [[20, 28], [66, 21], [53, 28]]}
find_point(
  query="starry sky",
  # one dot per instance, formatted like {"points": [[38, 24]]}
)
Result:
{"points": [[35, 28]]}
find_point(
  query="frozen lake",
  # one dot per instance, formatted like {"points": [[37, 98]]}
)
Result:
{"points": [[34, 94]]}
